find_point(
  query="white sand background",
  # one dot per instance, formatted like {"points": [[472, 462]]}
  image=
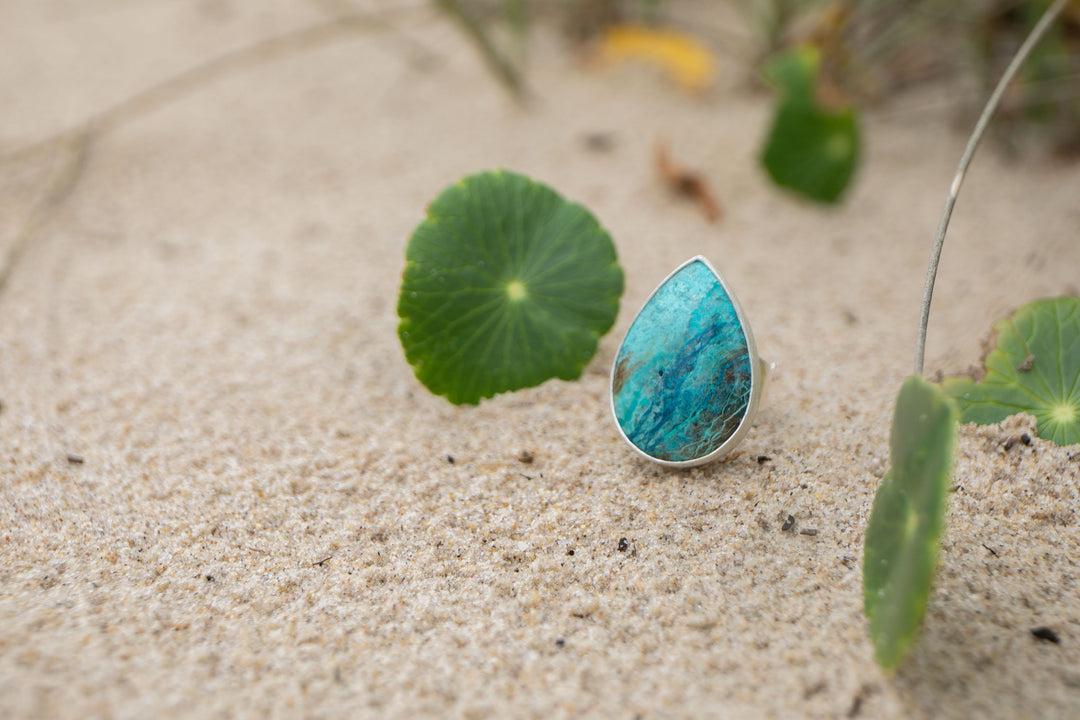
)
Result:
{"points": [[267, 522]]}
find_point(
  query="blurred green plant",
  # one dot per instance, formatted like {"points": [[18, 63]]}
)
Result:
{"points": [[506, 285], [1047, 100], [875, 50], [499, 29], [814, 143]]}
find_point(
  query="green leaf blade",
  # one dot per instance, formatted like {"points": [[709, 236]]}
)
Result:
{"points": [[1034, 368], [506, 285], [902, 537], [811, 149]]}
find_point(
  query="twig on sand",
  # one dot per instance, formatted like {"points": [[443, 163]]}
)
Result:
{"points": [[73, 149], [74, 144]]}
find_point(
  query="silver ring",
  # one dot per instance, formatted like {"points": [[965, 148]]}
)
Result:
{"points": [[687, 380]]}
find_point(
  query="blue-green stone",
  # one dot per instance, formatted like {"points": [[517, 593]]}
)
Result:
{"points": [[682, 380]]}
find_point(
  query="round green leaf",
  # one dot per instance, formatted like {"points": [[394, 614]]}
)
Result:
{"points": [[900, 555], [506, 285], [811, 149], [1035, 368]]}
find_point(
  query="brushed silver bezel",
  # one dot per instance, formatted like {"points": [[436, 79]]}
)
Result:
{"points": [[757, 376]]}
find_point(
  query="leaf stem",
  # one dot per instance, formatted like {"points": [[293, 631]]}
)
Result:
{"points": [[965, 160]]}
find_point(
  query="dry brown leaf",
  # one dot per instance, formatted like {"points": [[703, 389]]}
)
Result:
{"points": [[687, 183]]}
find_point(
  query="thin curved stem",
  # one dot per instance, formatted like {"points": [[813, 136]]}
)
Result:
{"points": [[965, 160], [505, 70], [293, 42], [73, 150]]}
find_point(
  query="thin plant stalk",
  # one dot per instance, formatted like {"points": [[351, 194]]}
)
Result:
{"points": [[965, 160], [504, 69]]}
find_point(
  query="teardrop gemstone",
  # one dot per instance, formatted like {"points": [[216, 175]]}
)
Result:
{"points": [[684, 379]]}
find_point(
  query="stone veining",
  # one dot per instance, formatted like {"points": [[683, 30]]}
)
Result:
{"points": [[682, 380]]}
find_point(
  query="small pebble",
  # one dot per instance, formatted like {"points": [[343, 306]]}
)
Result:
{"points": [[1044, 633], [599, 141]]}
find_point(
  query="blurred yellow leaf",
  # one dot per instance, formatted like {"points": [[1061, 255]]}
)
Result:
{"points": [[687, 61]]}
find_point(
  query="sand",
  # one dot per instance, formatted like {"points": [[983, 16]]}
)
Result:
{"points": [[223, 492]]}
